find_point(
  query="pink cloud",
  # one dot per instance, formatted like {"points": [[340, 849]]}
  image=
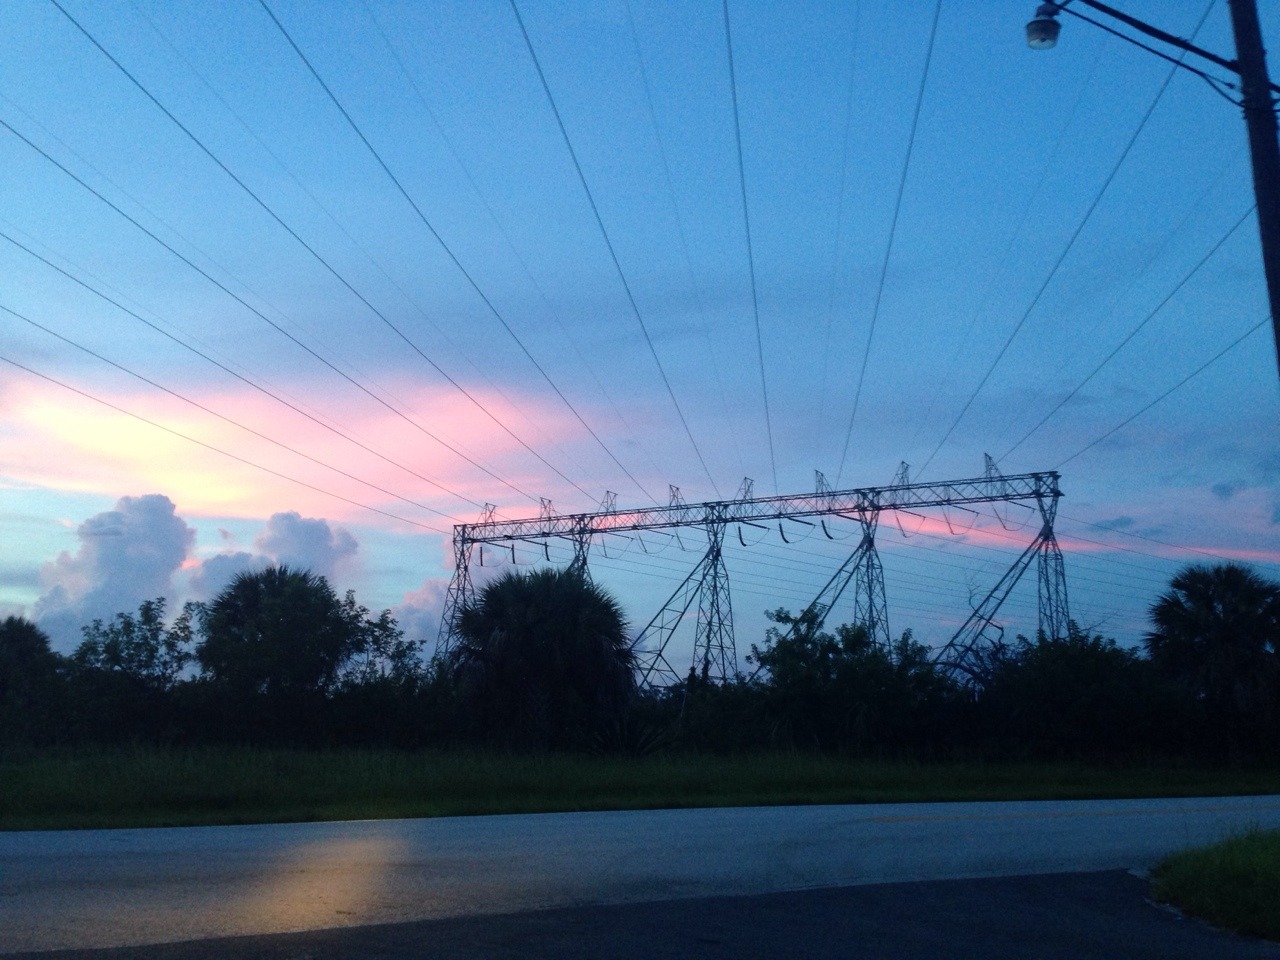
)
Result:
{"points": [[56, 439]]}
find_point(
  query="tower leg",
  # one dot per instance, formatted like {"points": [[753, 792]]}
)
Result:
{"points": [[581, 546], [715, 655], [1054, 613], [460, 594], [869, 607]]}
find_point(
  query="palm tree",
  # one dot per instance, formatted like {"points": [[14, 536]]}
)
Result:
{"points": [[30, 691], [544, 659], [1217, 630], [277, 631]]}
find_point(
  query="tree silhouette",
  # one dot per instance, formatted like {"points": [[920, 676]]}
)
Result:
{"points": [[1217, 631], [29, 682], [544, 660], [141, 648], [280, 632]]}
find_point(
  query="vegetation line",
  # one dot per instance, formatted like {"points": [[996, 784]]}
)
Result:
{"points": [[148, 787], [280, 700]]}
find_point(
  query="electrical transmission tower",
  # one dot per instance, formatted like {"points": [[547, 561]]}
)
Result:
{"points": [[715, 655], [973, 646]]}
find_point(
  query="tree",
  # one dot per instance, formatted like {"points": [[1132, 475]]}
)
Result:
{"points": [[1217, 632], [842, 691], [279, 632], [383, 655], [1078, 696], [29, 682], [141, 648], [543, 660]]}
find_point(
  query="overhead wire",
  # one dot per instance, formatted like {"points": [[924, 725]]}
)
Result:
{"points": [[1177, 386], [315, 255], [329, 215], [229, 370], [208, 446], [467, 275], [1070, 245], [613, 255], [839, 217], [1000, 263], [573, 342], [258, 313], [751, 256], [1132, 333], [694, 287], [1138, 536], [224, 418], [893, 230]]}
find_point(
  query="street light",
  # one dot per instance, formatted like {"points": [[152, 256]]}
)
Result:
{"points": [[1256, 100], [1042, 32]]}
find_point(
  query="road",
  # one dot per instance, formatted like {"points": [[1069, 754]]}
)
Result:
{"points": [[113, 888]]}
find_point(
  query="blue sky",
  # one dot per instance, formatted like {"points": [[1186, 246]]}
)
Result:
{"points": [[930, 286]]}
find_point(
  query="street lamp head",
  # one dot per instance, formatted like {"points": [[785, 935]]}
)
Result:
{"points": [[1042, 31]]}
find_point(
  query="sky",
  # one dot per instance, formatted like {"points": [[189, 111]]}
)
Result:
{"points": [[310, 283]]}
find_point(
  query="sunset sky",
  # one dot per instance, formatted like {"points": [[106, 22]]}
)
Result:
{"points": [[313, 282]]}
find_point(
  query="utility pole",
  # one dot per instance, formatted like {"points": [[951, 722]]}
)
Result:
{"points": [[1264, 149]]}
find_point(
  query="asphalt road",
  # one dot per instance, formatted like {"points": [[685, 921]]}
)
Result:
{"points": [[1077, 916], [114, 888]]}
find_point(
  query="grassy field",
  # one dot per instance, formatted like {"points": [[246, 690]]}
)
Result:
{"points": [[146, 787], [1235, 884]]}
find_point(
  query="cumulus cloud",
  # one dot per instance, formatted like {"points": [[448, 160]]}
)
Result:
{"points": [[214, 573], [419, 612], [126, 555], [290, 538]]}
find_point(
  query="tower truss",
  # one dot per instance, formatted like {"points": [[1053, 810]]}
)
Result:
{"points": [[715, 655]]}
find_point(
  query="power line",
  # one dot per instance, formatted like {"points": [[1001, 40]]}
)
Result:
{"points": [[839, 218], [209, 446], [893, 230], [422, 312], [569, 339], [226, 369], [1053, 272], [1177, 386], [322, 261], [225, 419], [248, 306], [617, 265], [1138, 536], [1132, 333], [1000, 264], [461, 269], [751, 257], [694, 287]]}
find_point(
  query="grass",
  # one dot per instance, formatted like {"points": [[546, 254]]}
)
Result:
{"points": [[150, 787], [1234, 884]]}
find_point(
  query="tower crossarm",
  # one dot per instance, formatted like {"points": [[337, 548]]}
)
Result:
{"points": [[860, 502]]}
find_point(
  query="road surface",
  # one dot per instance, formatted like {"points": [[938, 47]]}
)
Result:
{"points": [[110, 888]]}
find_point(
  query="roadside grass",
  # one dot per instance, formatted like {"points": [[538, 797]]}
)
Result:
{"points": [[146, 787], [1234, 884]]}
